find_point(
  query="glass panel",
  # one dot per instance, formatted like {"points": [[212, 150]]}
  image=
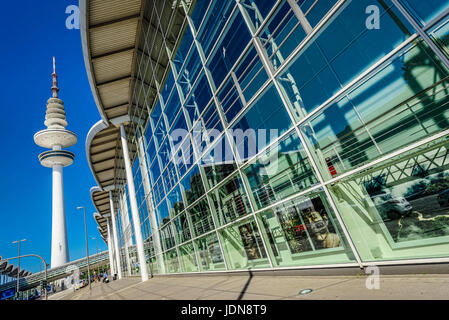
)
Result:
{"points": [[243, 247], [160, 132], [230, 200], [162, 211], [155, 170], [426, 10], [192, 186], [399, 208], [245, 81], [209, 253], [199, 10], [171, 262], [198, 100], [282, 35], [181, 226], [207, 130], [201, 218], [168, 240], [185, 156], [267, 116], [216, 18], [172, 108], [218, 163], [190, 71], [143, 212], [187, 258], [231, 45], [164, 153], [148, 133], [441, 36], [168, 86], [280, 171], [341, 52], [184, 47], [314, 10], [174, 201], [136, 172], [250, 74], [170, 178], [304, 231], [403, 102], [158, 191], [154, 266], [151, 152], [156, 114], [178, 131], [230, 100], [257, 11]]}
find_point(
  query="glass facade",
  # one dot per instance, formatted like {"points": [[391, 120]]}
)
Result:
{"points": [[291, 134]]}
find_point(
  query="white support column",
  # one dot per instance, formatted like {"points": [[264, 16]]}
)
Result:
{"points": [[134, 209], [150, 206], [115, 240], [126, 225], [59, 244], [110, 247]]}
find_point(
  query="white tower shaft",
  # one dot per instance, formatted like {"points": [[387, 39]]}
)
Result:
{"points": [[59, 243]]}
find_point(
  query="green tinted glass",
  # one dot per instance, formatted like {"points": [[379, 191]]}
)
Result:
{"points": [[187, 258], [243, 247], [304, 231], [171, 262], [279, 172], [209, 253], [399, 209]]}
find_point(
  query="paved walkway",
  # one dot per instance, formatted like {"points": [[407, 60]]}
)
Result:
{"points": [[236, 287]]}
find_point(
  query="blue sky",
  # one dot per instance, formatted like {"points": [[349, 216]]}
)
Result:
{"points": [[32, 33]]}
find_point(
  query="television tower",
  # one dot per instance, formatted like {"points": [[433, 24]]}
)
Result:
{"points": [[56, 137]]}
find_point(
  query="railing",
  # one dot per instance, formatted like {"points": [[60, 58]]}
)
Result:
{"points": [[54, 274]]}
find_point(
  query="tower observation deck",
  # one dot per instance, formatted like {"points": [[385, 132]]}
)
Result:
{"points": [[55, 138]]}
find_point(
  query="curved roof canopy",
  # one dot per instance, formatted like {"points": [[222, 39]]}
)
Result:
{"points": [[13, 272], [109, 30], [109, 33], [100, 199], [8, 269], [102, 225], [3, 264]]}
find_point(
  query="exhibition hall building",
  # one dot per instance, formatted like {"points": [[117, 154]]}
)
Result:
{"points": [[238, 135]]}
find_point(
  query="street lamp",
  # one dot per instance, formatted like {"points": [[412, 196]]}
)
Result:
{"points": [[87, 246], [18, 267], [96, 247], [96, 243]]}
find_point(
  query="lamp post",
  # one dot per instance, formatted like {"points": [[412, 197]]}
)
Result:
{"points": [[87, 246], [18, 265], [96, 244], [96, 248]]}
